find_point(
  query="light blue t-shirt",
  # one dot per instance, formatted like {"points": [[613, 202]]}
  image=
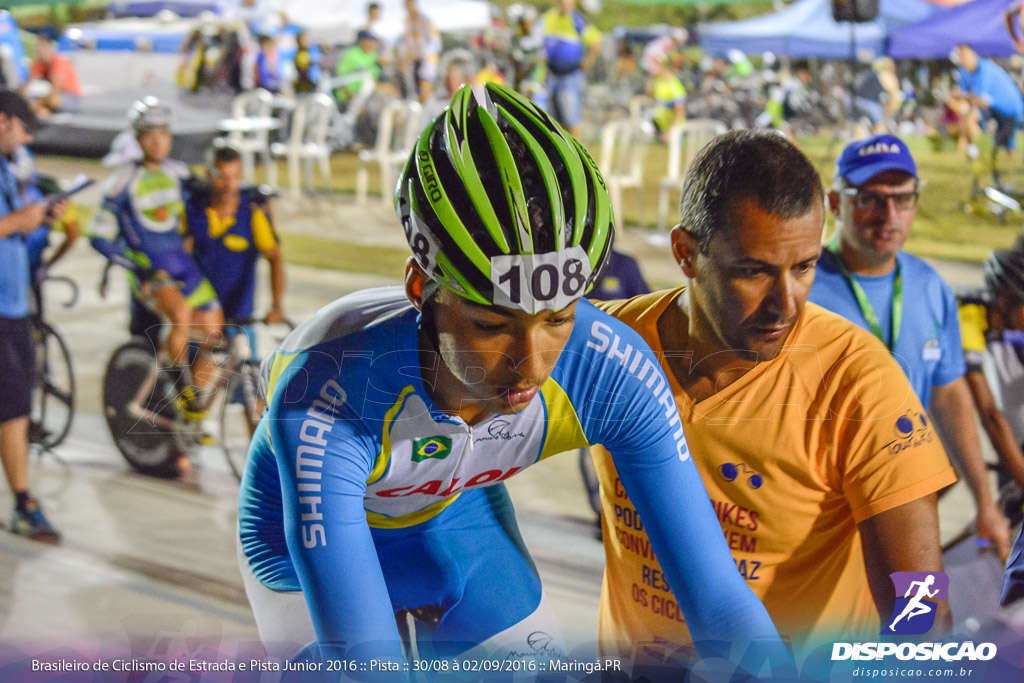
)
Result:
{"points": [[995, 86], [928, 347], [13, 253]]}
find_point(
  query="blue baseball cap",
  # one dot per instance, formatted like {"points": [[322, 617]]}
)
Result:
{"points": [[864, 159]]}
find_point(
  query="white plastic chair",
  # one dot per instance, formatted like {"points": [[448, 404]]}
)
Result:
{"points": [[307, 141], [253, 106], [396, 134], [624, 144], [684, 141]]}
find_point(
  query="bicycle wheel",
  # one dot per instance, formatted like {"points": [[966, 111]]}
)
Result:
{"points": [[53, 393], [138, 403], [239, 416]]}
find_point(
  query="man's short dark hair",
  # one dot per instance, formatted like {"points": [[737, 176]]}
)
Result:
{"points": [[749, 164], [372, 6], [226, 155]]}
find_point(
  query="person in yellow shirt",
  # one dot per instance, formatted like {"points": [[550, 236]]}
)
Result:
{"points": [[571, 46], [669, 98], [819, 460]]}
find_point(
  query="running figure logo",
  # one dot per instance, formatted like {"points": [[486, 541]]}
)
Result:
{"points": [[917, 596]]}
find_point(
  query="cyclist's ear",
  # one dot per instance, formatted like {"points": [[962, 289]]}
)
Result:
{"points": [[415, 282]]}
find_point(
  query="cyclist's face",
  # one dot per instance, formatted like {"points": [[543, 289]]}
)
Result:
{"points": [[155, 143], [749, 289], [495, 359], [877, 232], [227, 177]]}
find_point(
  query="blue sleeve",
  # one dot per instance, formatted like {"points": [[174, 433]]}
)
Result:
{"points": [[635, 417], [951, 363], [324, 460], [1013, 579]]}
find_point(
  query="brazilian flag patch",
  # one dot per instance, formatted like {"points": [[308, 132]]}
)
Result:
{"points": [[436, 447]]}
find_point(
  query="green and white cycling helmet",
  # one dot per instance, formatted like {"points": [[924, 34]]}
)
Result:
{"points": [[502, 206], [149, 113]]}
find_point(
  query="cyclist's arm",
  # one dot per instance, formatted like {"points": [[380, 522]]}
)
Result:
{"points": [[324, 465], [996, 426], [266, 241], [638, 422], [950, 407], [103, 236]]}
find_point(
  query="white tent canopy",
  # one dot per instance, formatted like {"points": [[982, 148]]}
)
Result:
{"points": [[337, 21]]}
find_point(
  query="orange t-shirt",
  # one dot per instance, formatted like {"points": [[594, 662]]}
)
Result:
{"points": [[794, 455], [60, 66]]}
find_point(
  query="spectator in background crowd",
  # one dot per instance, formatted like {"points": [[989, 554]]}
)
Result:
{"points": [[877, 96], [861, 276], [267, 69], [669, 98], [307, 65], [65, 92], [670, 46], [571, 46], [527, 53], [360, 58], [418, 53], [984, 85]]}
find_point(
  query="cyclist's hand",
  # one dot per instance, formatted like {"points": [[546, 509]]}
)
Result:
{"points": [[54, 212], [993, 527], [274, 316]]}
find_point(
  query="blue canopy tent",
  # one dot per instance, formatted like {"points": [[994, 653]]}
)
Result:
{"points": [[806, 29], [979, 23]]}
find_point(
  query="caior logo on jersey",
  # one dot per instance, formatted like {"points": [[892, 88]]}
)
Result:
{"points": [[917, 596], [911, 429], [434, 447]]}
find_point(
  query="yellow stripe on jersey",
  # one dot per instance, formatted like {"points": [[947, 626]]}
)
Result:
{"points": [[379, 521], [565, 433], [384, 459], [973, 325], [281, 362]]}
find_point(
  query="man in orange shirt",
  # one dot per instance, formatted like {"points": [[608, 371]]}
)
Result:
{"points": [[65, 87], [819, 460]]}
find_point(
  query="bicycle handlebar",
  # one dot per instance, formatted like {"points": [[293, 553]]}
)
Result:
{"points": [[69, 282]]}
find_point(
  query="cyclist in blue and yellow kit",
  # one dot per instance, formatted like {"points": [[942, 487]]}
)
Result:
{"points": [[229, 228], [139, 227], [374, 480]]}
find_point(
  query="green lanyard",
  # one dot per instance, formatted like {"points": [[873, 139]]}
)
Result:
{"points": [[861, 296]]}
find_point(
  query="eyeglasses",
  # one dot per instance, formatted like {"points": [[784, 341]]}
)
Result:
{"points": [[867, 200]]}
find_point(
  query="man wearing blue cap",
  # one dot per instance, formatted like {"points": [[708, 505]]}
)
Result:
{"points": [[863, 275]]}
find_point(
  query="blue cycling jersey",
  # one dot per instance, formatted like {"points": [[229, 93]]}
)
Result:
{"points": [[353, 453], [141, 214]]}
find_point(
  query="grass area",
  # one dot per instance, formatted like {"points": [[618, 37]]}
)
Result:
{"points": [[350, 257]]}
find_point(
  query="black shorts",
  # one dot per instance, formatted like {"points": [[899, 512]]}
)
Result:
{"points": [[1006, 128], [17, 367]]}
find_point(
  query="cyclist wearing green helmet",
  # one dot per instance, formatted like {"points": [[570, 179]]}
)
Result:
{"points": [[374, 481]]}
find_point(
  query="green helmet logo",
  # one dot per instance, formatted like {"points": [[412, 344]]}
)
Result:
{"points": [[502, 206]]}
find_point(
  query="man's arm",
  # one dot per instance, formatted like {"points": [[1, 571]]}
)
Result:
{"points": [[904, 538], [996, 426], [277, 280], [951, 409], [24, 220]]}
